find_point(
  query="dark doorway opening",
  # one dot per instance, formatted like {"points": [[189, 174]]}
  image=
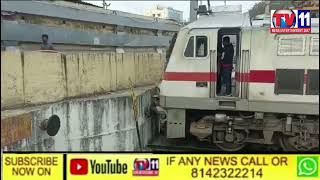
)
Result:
{"points": [[226, 68]]}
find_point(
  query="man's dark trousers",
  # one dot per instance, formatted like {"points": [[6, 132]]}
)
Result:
{"points": [[226, 75]]}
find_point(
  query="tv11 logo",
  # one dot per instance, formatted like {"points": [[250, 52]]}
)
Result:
{"points": [[146, 167], [290, 21]]}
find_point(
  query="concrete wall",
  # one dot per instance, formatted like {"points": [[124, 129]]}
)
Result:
{"points": [[103, 123], [34, 77], [43, 77], [11, 79]]}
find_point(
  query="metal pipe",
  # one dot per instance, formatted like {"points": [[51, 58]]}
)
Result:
{"points": [[193, 11], [138, 133], [51, 125], [267, 8]]}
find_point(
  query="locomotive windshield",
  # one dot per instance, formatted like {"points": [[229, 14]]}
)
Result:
{"points": [[201, 46], [200, 49]]}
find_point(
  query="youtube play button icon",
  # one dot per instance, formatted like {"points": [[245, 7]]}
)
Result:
{"points": [[79, 166]]}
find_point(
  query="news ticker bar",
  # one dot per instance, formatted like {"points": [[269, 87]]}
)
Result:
{"points": [[159, 166]]}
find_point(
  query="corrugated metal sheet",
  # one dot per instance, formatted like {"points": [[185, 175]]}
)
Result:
{"points": [[11, 31], [52, 10]]}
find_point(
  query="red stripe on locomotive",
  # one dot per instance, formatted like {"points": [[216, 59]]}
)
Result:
{"points": [[190, 76], [255, 76]]}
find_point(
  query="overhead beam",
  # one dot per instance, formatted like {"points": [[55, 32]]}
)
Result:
{"points": [[52, 10], [11, 31]]}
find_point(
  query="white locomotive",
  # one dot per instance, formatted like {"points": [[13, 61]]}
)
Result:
{"points": [[275, 89]]}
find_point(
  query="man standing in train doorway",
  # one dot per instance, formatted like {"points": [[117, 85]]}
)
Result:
{"points": [[226, 63]]}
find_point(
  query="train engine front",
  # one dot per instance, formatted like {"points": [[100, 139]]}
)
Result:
{"points": [[274, 88]]}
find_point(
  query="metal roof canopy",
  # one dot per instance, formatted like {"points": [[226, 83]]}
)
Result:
{"points": [[53, 10], [11, 31]]}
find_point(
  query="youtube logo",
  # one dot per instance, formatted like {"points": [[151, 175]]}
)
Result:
{"points": [[79, 166]]}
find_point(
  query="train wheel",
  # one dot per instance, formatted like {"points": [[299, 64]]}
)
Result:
{"points": [[293, 143], [234, 143], [231, 147]]}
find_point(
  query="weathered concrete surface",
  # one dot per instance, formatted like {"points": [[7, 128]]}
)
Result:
{"points": [[103, 123], [33, 77], [94, 73], [11, 79], [44, 77]]}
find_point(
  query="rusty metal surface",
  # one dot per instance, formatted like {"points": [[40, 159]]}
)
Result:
{"points": [[16, 128]]}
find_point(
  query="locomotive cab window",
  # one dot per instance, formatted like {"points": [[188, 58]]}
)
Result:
{"points": [[201, 46], [197, 46], [189, 52]]}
